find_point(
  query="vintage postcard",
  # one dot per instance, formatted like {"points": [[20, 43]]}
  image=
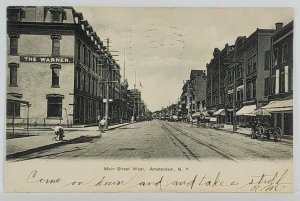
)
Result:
{"points": [[149, 99]]}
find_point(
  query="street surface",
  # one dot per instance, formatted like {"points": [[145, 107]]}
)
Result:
{"points": [[167, 140]]}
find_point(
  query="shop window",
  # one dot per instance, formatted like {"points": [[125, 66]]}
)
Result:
{"points": [[13, 74], [13, 109], [284, 52], [55, 74], [55, 45], [13, 44], [54, 108]]}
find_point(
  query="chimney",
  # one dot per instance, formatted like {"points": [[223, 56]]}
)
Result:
{"points": [[278, 25]]}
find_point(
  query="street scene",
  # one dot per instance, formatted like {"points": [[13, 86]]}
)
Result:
{"points": [[164, 140], [82, 84]]}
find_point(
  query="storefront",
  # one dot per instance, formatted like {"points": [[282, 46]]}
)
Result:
{"points": [[282, 115]]}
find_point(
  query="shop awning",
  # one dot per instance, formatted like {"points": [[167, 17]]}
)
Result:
{"points": [[279, 106], [220, 112], [16, 99], [246, 111], [196, 114]]}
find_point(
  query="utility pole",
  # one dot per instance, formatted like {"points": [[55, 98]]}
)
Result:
{"points": [[124, 66], [107, 85], [134, 96], [234, 103]]}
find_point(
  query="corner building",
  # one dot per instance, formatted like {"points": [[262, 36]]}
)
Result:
{"points": [[55, 62]]}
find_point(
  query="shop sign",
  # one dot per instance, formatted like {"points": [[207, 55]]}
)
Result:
{"points": [[46, 59]]}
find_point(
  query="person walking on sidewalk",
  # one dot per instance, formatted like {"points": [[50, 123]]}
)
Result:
{"points": [[102, 124]]}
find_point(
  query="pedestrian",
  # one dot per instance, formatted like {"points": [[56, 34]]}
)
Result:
{"points": [[102, 124], [57, 131]]}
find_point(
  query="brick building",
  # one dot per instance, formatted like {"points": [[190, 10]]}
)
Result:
{"points": [[279, 86], [216, 82], [57, 63]]}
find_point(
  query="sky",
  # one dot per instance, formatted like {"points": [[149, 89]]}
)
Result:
{"points": [[162, 45]]}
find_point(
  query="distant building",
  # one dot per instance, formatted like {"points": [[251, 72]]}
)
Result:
{"points": [[216, 89], [197, 90]]}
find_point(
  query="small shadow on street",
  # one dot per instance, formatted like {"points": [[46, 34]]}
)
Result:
{"points": [[83, 139], [126, 128]]}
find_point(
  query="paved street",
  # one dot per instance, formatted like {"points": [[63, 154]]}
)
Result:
{"points": [[170, 140]]}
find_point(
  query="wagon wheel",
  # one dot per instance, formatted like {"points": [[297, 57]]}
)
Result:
{"points": [[277, 134], [261, 133]]}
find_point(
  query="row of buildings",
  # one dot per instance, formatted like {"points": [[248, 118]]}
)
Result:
{"points": [[60, 71], [256, 72]]}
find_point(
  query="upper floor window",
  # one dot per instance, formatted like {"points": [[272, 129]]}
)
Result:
{"points": [[267, 60], [55, 45], [55, 75], [13, 43], [284, 52], [57, 14], [267, 86], [15, 13], [13, 74], [276, 57]]}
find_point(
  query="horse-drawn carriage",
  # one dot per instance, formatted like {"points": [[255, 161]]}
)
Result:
{"points": [[262, 130], [265, 131]]}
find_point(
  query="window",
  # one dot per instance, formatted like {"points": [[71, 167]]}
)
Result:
{"points": [[78, 50], [13, 44], [267, 86], [13, 74], [13, 109], [281, 82], [84, 55], [15, 13], [248, 90], [249, 63], [275, 57], [276, 85], [55, 45], [55, 74], [284, 52], [54, 108], [57, 14], [267, 60], [254, 63], [254, 88], [78, 81]]}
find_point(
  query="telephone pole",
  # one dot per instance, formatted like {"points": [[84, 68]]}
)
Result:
{"points": [[107, 85], [134, 96]]}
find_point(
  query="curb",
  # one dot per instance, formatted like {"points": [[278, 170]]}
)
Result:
{"points": [[289, 141], [52, 145]]}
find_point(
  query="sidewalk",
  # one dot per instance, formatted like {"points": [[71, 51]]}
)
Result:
{"points": [[247, 132], [39, 140]]}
